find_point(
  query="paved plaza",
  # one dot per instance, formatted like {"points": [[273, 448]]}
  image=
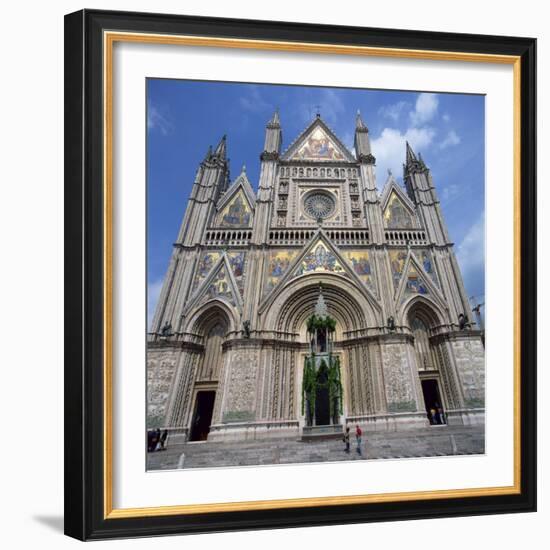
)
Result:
{"points": [[428, 442]]}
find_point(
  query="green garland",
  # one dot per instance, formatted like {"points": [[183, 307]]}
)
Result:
{"points": [[310, 383], [315, 323]]}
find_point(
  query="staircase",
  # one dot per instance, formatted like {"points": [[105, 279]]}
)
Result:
{"points": [[427, 442]]}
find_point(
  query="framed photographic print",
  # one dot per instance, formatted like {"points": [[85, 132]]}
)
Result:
{"points": [[300, 274]]}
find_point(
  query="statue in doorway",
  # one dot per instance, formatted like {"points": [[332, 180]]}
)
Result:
{"points": [[462, 321], [391, 323], [246, 328]]}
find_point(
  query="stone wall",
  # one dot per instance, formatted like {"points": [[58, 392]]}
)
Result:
{"points": [[399, 385], [239, 399], [161, 368], [470, 362]]}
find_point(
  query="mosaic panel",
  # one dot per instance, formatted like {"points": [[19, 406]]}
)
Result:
{"points": [[279, 262], [237, 213], [397, 261], [236, 261], [220, 287], [415, 283], [426, 260], [396, 214], [318, 146], [360, 262], [319, 258], [205, 265]]}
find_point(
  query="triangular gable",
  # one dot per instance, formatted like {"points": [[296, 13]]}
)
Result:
{"points": [[416, 282], [396, 214], [219, 284], [236, 262], [242, 182], [425, 258], [398, 211], [237, 213], [318, 143], [318, 256], [206, 263], [236, 206], [398, 259]]}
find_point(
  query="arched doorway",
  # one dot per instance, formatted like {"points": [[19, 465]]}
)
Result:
{"points": [[422, 320], [353, 312], [214, 326]]}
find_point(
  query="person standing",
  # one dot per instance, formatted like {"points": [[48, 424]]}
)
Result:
{"points": [[358, 437], [346, 439], [163, 437]]}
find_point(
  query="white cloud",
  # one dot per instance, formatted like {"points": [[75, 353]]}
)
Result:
{"points": [[425, 109], [389, 148], [451, 139], [153, 293], [159, 121], [471, 253], [446, 117], [450, 192], [253, 101], [393, 111]]}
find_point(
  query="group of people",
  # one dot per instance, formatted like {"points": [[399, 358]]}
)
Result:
{"points": [[437, 416], [358, 439], [156, 440]]}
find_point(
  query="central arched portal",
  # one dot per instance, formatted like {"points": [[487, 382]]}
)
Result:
{"points": [[323, 391]]}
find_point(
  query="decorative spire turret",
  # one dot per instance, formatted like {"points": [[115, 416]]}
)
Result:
{"points": [[221, 148], [275, 121], [410, 156], [273, 138], [359, 124], [321, 309], [412, 162], [362, 141]]}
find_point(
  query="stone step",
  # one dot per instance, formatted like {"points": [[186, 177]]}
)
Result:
{"points": [[420, 443]]}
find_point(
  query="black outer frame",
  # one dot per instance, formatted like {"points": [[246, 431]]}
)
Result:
{"points": [[84, 516]]}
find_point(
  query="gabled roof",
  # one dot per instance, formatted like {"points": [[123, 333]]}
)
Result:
{"points": [[392, 185], [425, 280], [318, 143], [221, 272], [242, 182]]}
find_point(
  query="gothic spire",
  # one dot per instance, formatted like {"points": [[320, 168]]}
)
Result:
{"points": [[221, 148], [359, 124], [275, 121], [362, 141], [411, 157]]}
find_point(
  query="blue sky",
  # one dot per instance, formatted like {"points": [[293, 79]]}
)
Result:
{"points": [[185, 117]]}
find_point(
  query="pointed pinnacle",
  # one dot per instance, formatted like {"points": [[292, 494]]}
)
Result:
{"points": [[411, 157], [275, 121], [359, 124], [221, 148]]}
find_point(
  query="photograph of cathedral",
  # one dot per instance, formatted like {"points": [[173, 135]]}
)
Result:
{"points": [[312, 307]]}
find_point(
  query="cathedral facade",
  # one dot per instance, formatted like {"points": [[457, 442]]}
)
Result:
{"points": [[229, 345]]}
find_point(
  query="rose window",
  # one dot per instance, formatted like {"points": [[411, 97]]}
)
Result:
{"points": [[319, 205]]}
